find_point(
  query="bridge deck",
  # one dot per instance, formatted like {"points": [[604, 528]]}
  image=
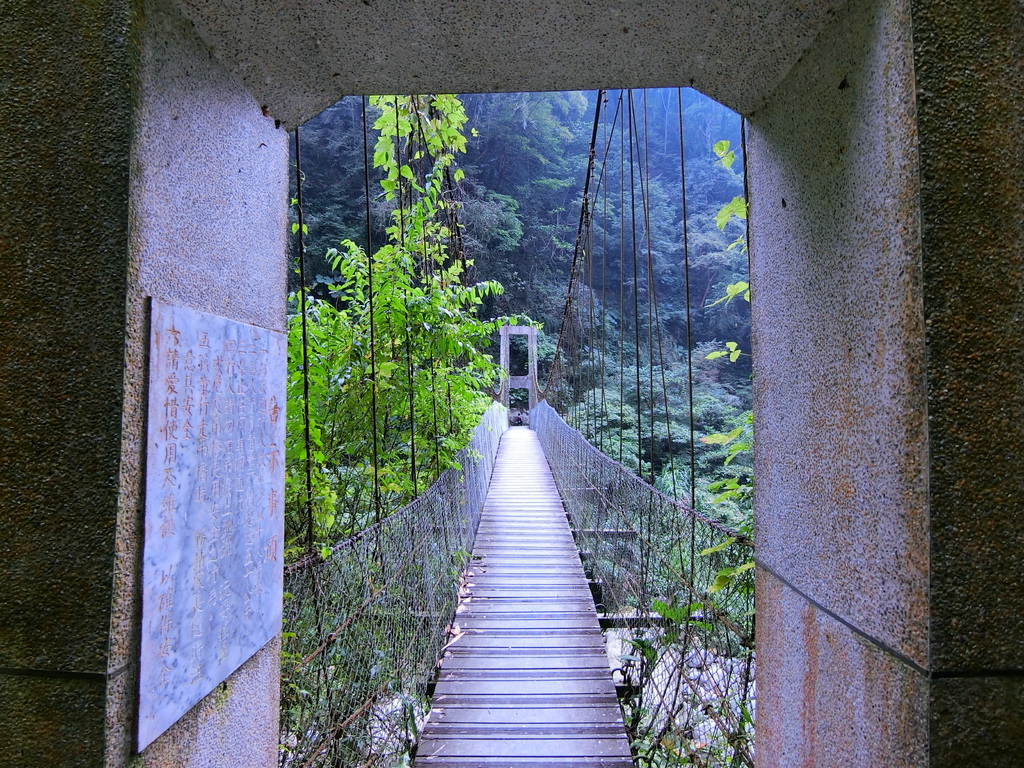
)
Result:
{"points": [[528, 682]]}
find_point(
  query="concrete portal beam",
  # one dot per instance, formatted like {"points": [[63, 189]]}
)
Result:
{"points": [[298, 58]]}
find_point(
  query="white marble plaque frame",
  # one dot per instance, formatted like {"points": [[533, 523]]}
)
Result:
{"points": [[212, 558]]}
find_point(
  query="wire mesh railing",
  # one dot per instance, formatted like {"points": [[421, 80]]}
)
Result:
{"points": [[363, 628], [677, 594]]}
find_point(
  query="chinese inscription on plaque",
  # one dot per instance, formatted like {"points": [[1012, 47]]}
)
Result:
{"points": [[212, 562]]}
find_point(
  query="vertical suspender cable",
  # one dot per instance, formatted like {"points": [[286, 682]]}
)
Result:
{"points": [[746, 196], [645, 193], [689, 315], [636, 290], [373, 341], [412, 276], [652, 297], [689, 352], [622, 282], [567, 309], [604, 276], [591, 383], [308, 505]]}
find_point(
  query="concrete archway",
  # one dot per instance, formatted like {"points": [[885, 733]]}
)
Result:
{"points": [[887, 199]]}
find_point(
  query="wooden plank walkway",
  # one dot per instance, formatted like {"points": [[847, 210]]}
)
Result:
{"points": [[528, 682]]}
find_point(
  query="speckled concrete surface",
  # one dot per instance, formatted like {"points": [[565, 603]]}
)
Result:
{"points": [[236, 726], [970, 69], [839, 387], [51, 723], [208, 231], [977, 721], [905, 526], [887, 210], [63, 237], [298, 58], [65, 131], [831, 699]]}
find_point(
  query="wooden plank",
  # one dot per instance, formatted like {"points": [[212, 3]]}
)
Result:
{"points": [[527, 680], [533, 762], [532, 714], [542, 747]]}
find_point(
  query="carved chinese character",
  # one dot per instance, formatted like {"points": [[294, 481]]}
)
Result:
{"points": [[273, 457], [165, 624], [223, 642], [165, 602], [168, 505], [271, 549], [165, 672], [227, 537], [171, 407], [166, 648]]}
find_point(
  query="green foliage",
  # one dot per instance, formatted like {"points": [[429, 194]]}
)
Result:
{"points": [[396, 348], [741, 288], [726, 155]]}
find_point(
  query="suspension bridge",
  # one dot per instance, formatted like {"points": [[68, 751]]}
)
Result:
{"points": [[540, 603], [501, 657], [526, 679]]}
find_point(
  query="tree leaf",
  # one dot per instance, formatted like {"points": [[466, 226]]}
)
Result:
{"points": [[719, 547]]}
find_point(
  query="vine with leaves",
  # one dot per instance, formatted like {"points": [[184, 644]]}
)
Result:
{"points": [[396, 367]]}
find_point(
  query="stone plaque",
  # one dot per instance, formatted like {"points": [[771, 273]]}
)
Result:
{"points": [[212, 561]]}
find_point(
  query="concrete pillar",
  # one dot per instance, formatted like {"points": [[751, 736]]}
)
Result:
{"points": [[134, 166], [887, 211]]}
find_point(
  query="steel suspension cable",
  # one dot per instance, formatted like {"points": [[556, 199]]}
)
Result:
{"points": [[689, 315], [584, 212], [408, 290], [604, 275], [636, 288], [373, 341], [308, 504], [652, 297], [645, 181], [427, 270], [622, 282]]}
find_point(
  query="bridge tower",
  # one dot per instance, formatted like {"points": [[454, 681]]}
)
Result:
{"points": [[529, 381]]}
